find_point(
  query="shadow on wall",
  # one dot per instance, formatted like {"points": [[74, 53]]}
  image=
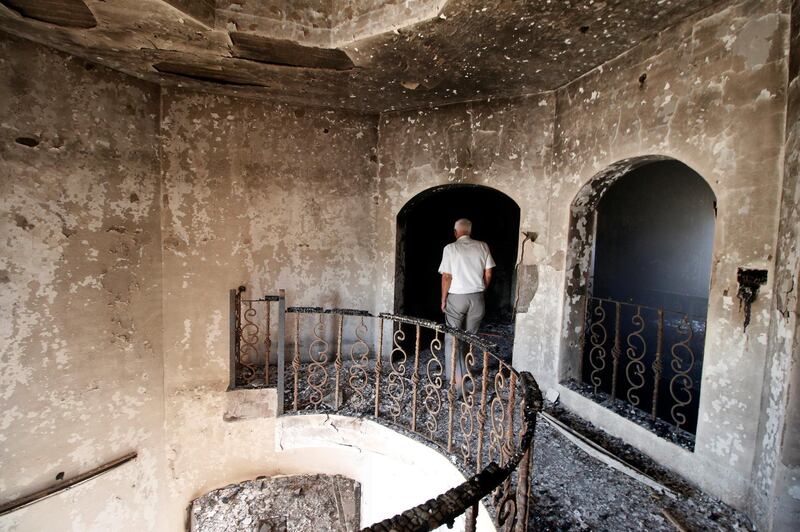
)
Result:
{"points": [[425, 226]]}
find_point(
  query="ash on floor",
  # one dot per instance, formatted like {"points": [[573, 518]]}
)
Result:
{"points": [[573, 491], [280, 504]]}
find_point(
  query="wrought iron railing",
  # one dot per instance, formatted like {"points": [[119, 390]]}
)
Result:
{"points": [[646, 357], [393, 370], [255, 326]]}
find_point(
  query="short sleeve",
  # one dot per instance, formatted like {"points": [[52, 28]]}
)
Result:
{"points": [[489, 260], [445, 266]]}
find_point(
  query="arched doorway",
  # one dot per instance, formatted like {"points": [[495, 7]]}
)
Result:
{"points": [[425, 226], [642, 238]]}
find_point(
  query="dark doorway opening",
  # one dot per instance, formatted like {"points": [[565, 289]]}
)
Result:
{"points": [[425, 226], [648, 291]]}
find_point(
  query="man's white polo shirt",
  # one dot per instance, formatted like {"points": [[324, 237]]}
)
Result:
{"points": [[465, 259]]}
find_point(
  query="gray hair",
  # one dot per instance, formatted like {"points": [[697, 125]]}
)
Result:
{"points": [[463, 225]]}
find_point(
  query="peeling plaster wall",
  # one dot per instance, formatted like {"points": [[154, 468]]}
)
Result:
{"points": [[713, 98], [80, 290], [266, 196], [776, 481], [273, 196]]}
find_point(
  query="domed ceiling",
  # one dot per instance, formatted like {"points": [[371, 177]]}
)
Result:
{"points": [[365, 55]]}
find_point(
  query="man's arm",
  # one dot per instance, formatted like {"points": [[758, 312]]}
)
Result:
{"points": [[447, 280], [487, 277], [487, 268]]}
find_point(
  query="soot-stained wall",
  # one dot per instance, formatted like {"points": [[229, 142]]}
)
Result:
{"points": [[776, 478], [80, 290], [285, 197], [710, 93], [264, 195], [713, 99]]}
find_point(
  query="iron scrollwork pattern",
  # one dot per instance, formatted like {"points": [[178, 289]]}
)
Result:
{"points": [[466, 418], [597, 353], [396, 386], [248, 346], [651, 334], [482, 430], [432, 389], [317, 376], [681, 383], [636, 351], [497, 416], [251, 341], [359, 365]]}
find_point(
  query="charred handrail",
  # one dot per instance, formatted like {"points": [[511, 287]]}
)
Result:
{"points": [[461, 334], [481, 413], [321, 310], [463, 398], [444, 509]]}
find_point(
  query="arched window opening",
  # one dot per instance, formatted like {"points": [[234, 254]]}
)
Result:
{"points": [[425, 226], [649, 251]]}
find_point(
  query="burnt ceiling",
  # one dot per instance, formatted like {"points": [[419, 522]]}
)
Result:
{"points": [[367, 55]]}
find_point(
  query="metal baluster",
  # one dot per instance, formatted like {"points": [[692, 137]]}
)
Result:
{"points": [[523, 475], [415, 382], [267, 342], [451, 395], [466, 418], [635, 369], [338, 363], [657, 366], [681, 376], [586, 323], [508, 447], [616, 350], [472, 515], [281, 349], [432, 401], [497, 413], [234, 337], [296, 360], [482, 411], [378, 368], [248, 344], [507, 451], [597, 354], [523, 490], [317, 369], [396, 385], [359, 365]]}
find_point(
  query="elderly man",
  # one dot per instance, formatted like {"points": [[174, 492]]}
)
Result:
{"points": [[466, 270]]}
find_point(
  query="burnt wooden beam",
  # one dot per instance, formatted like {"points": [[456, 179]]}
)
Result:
{"points": [[66, 13], [208, 74], [288, 53], [64, 485]]}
